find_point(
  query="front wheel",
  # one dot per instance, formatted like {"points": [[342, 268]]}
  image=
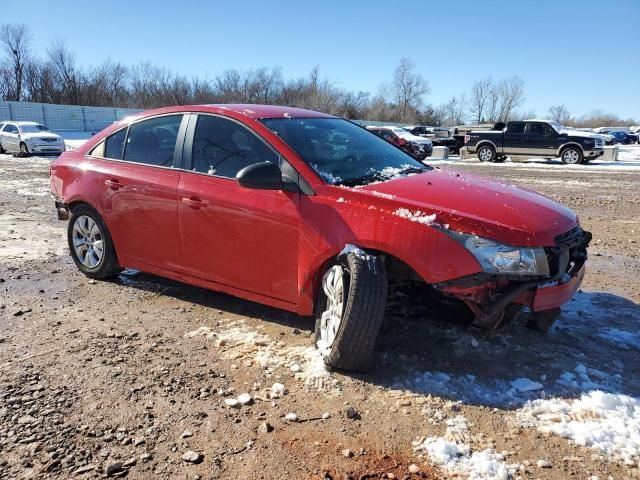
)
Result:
{"points": [[487, 153], [350, 309], [90, 244], [24, 150], [571, 156]]}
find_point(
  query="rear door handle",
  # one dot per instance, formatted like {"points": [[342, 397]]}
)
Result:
{"points": [[113, 184], [194, 202]]}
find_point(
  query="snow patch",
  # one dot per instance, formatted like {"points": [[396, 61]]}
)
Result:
{"points": [[456, 457], [388, 196], [621, 338], [417, 216], [607, 422], [525, 385], [241, 341]]}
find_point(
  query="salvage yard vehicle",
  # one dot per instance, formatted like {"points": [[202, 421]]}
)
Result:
{"points": [[313, 214], [25, 138], [535, 138], [417, 147], [439, 136]]}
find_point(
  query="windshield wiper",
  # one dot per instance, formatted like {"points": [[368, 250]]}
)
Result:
{"points": [[362, 180], [413, 170]]}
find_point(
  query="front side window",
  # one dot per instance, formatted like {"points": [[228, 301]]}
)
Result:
{"points": [[223, 147], [537, 129], [342, 152], [153, 141]]}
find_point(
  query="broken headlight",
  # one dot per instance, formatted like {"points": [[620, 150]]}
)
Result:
{"points": [[495, 257]]}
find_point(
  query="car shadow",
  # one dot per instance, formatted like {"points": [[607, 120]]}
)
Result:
{"points": [[212, 300], [594, 345]]}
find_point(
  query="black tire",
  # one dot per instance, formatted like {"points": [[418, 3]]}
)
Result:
{"points": [[24, 150], [366, 288], [571, 156], [108, 265], [486, 153], [2, 150]]}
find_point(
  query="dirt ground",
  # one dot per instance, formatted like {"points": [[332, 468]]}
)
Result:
{"points": [[104, 378]]}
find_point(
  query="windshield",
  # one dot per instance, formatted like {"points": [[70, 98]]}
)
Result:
{"points": [[558, 127], [343, 153], [33, 128]]}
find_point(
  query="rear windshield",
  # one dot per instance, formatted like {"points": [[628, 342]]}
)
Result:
{"points": [[343, 153]]}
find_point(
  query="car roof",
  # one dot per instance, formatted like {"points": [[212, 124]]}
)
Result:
{"points": [[255, 112], [25, 123]]}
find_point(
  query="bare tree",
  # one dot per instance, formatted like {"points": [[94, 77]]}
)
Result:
{"points": [[15, 40], [511, 93], [408, 89], [480, 93], [559, 113]]}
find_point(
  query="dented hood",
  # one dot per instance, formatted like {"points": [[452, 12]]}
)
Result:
{"points": [[481, 206]]}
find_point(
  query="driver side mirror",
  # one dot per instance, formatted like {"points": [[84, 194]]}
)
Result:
{"points": [[264, 176]]}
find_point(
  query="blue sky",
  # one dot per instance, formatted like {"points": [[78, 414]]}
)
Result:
{"points": [[584, 54]]}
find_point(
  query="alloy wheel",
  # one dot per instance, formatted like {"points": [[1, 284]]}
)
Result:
{"points": [[333, 284], [571, 156], [88, 243]]}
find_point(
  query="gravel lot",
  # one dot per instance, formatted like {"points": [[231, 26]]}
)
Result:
{"points": [[138, 376]]}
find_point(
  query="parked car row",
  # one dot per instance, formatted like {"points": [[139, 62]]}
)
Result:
{"points": [[24, 138]]}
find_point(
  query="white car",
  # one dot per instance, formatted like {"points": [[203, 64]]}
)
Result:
{"points": [[27, 138]]}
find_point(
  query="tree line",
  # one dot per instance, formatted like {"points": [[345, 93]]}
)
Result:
{"points": [[58, 78]]}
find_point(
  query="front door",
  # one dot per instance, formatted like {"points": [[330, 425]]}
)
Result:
{"points": [[542, 139], [241, 238]]}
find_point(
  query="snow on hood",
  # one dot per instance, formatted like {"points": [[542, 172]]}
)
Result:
{"points": [[481, 206], [579, 133], [43, 134], [410, 137]]}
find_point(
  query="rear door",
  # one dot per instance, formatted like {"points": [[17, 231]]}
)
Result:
{"points": [[515, 139], [230, 235], [138, 183]]}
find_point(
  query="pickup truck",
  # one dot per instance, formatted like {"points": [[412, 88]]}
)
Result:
{"points": [[535, 138]]}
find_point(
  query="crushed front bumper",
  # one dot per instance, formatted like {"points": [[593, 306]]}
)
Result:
{"points": [[489, 296]]}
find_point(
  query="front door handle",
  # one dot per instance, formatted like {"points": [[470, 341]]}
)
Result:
{"points": [[113, 184], [194, 202]]}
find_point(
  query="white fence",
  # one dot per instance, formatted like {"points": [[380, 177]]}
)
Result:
{"points": [[80, 118], [64, 117]]}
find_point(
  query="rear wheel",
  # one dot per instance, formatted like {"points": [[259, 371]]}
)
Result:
{"points": [[486, 153], [350, 309], [571, 156], [2, 150], [90, 244]]}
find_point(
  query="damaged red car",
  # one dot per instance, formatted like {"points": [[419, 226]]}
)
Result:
{"points": [[313, 214]]}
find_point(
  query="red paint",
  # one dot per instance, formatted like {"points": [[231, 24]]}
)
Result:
{"points": [[270, 246]]}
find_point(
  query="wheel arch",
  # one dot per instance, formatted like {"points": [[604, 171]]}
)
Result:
{"points": [[483, 143], [395, 267], [564, 146], [78, 201]]}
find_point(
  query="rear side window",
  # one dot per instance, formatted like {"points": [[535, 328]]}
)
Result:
{"points": [[153, 141], [223, 147], [114, 145], [516, 127]]}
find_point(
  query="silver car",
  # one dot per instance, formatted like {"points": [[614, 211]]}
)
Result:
{"points": [[27, 138]]}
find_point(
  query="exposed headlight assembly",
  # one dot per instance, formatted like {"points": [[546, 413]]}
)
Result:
{"points": [[495, 257]]}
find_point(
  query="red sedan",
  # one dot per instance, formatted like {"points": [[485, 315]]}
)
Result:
{"points": [[313, 214]]}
